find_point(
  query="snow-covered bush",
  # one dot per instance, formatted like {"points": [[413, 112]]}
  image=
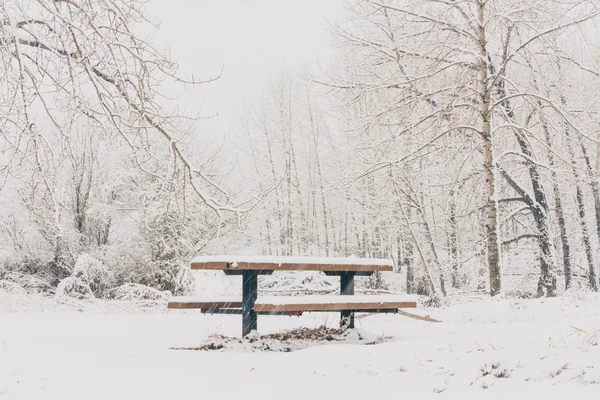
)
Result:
{"points": [[11, 287], [94, 273], [294, 282], [89, 279], [185, 282], [134, 291], [519, 294], [33, 274], [376, 281], [74, 286], [165, 234]]}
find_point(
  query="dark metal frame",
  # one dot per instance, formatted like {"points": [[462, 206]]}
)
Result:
{"points": [[250, 293], [347, 289]]}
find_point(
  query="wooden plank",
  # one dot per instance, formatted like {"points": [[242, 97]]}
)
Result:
{"points": [[240, 311], [330, 307], [356, 273], [217, 265], [236, 272], [332, 303], [184, 304], [291, 260], [214, 265]]}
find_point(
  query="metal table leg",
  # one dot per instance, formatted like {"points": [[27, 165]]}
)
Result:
{"points": [[347, 288], [249, 294]]}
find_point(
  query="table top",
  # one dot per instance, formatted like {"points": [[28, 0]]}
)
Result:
{"points": [[291, 263]]}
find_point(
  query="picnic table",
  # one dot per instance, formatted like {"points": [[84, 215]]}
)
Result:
{"points": [[249, 305]]}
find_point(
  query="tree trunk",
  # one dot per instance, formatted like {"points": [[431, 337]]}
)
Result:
{"points": [[324, 205], [491, 223], [582, 216], [593, 183], [452, 241], [539, 203], [558, 209], [547, 282]]}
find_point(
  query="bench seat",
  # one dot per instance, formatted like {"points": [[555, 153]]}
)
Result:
{"points": [[333, 303], [294, 304], [205, 303]]}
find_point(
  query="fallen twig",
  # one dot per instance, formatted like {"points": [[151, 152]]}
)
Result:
{"points": [[409, 315]]}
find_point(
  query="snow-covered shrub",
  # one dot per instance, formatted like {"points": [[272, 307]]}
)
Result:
{"points": [[185, 281], [432, 301], [519, 294], [170, 237], [89, 279], [134, 291], [74, 286], [294, 282], [35, 275], [94, 273], [422, 286], [11, 287], [376, 282]]}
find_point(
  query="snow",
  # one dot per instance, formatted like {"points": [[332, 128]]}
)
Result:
{"points": [[485, 348], [203, 299], [313, 299], [292, 260], [337, 299]]}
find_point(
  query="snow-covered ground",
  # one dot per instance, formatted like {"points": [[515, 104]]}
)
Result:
{"points": [[116, 350]]}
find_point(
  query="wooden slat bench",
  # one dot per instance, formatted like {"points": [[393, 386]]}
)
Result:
{"points": [[368, 303], [219, 305], [250, 305], [287, 305], [204, 304]]}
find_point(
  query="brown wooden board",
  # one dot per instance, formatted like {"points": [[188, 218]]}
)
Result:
{"points": [[266, 307], [217, 265], [235, 272], [232, 311], [203, 305]]}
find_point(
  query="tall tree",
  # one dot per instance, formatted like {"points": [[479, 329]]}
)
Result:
{"points": [[442, 68], [68, 61]]}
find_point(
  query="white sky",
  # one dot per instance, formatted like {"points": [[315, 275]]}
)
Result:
{"points": [[249, 38]]}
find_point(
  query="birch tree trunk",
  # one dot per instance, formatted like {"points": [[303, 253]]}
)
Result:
{"points": [[452, 241], [491, 223]]}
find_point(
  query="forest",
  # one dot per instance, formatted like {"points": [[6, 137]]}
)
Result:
{"points": [[460, 139]]}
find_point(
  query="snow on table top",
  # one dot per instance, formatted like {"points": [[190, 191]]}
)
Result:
{"points": [[205, 299], [337, 299], [293, 260]]}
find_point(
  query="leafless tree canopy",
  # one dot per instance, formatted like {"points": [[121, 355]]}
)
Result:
{"points": [[457, 137]]}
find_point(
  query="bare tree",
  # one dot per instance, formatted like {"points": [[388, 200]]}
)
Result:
{"points": [[64, 62], [440, 68]]}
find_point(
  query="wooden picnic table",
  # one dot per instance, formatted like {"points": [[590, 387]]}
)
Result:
{"points": [[249, 267]]}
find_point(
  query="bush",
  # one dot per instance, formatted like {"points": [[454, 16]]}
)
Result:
{"points": [[75, 287], [35, 275], [376, 282], [11, 287], [89, 279], [134, 292], [93, 273]]}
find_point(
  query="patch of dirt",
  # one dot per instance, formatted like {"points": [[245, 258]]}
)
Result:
{"points": [[319, 334], [287, 341]]}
